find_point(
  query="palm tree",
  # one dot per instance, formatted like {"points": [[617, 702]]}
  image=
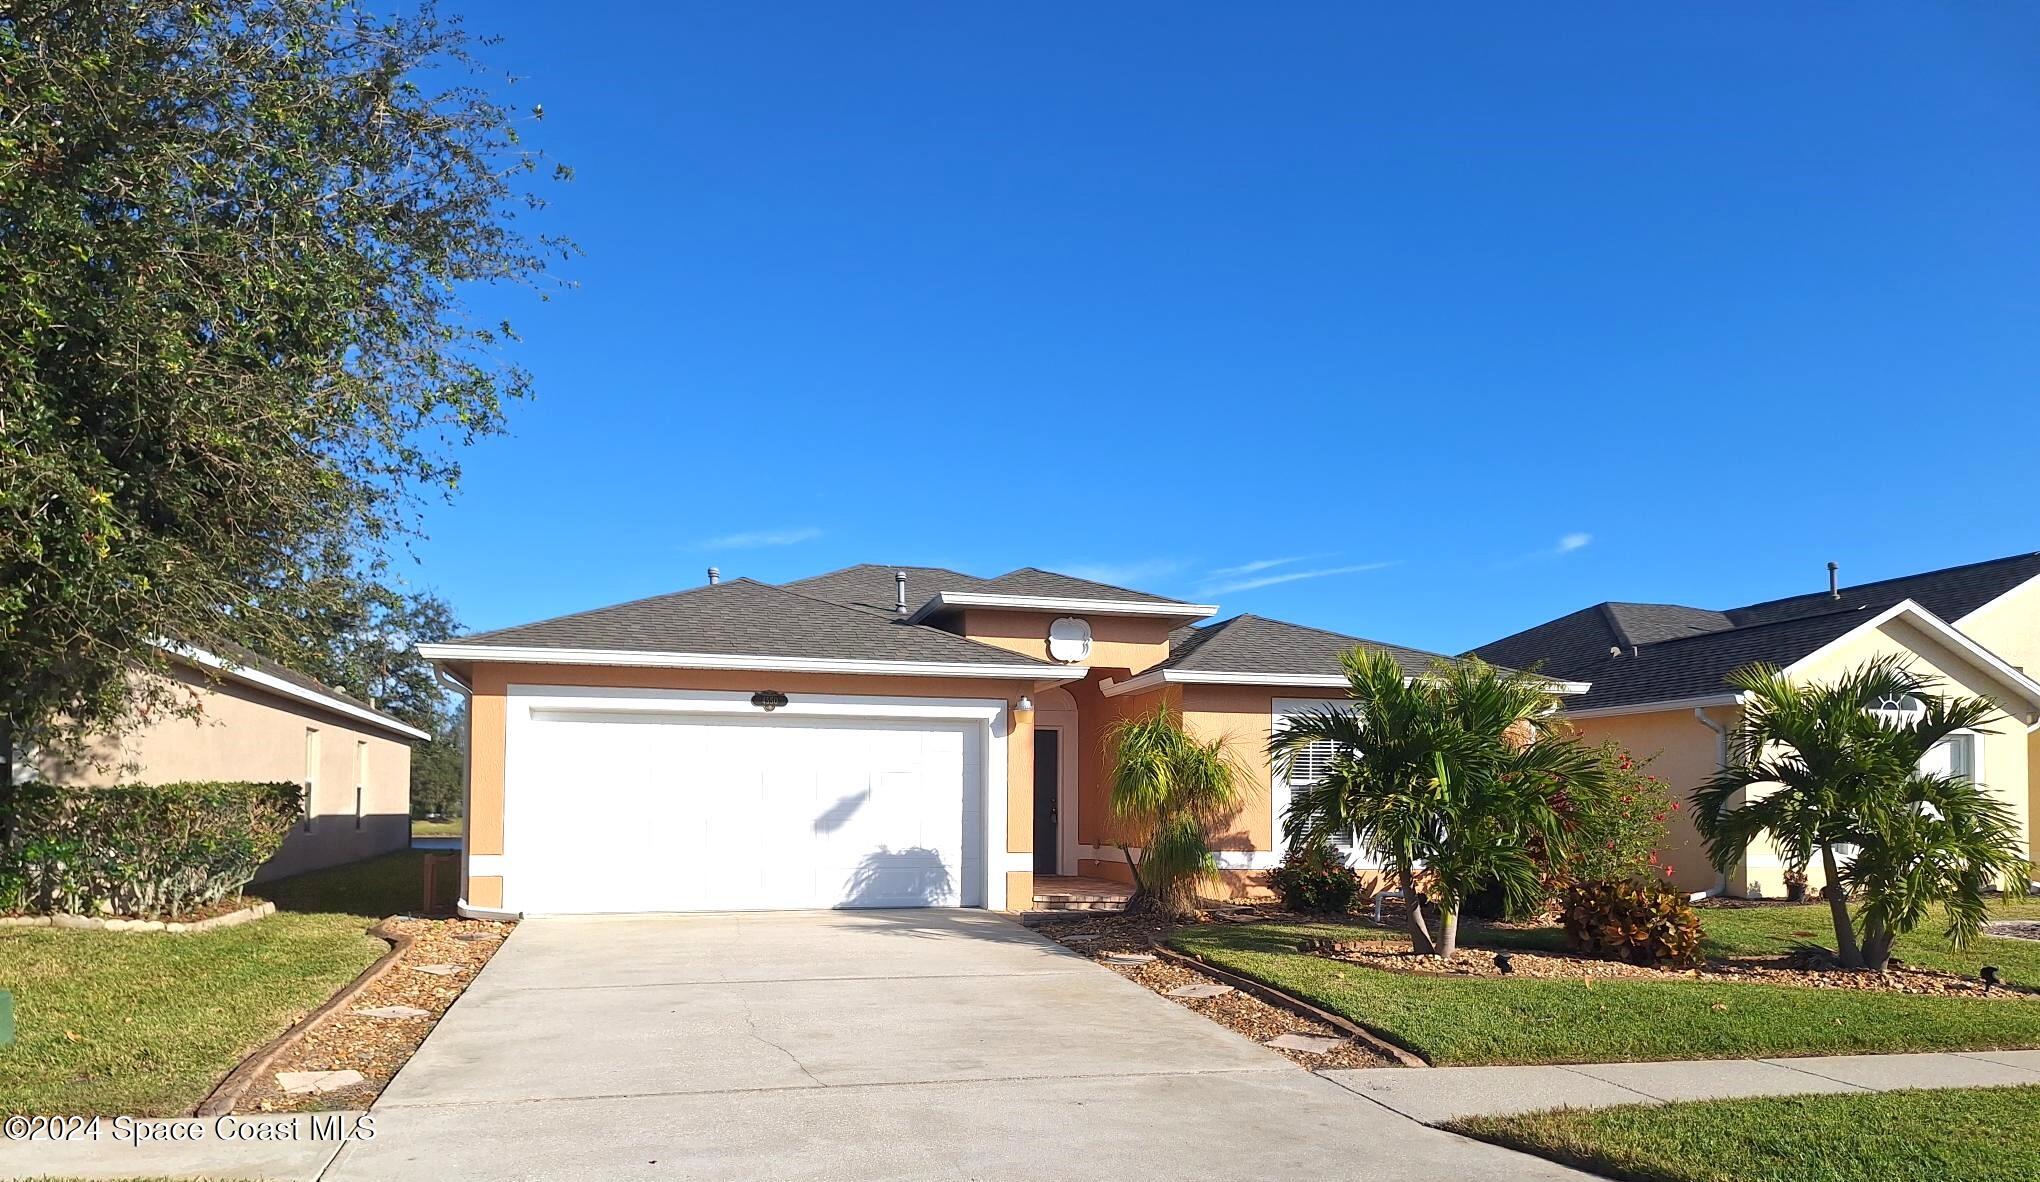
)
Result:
{"points": [[1842, 765], [1169, 789], [1455, 775]]}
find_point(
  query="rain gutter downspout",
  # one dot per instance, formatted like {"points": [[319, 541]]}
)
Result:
{"points": [[1720, 886]]}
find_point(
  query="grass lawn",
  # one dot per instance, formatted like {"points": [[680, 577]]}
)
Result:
{"points": [[1469, 1020], [450, 827], [113, 1022], [1972, 1134]]}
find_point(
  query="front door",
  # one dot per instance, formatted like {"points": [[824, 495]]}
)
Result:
{"points": [[1047, 793]]}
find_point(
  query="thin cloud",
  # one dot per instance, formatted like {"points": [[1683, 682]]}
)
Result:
{"points": [[760, 538], [1125, 574], [1254, 567], [1294, 576], [1572, 542]]}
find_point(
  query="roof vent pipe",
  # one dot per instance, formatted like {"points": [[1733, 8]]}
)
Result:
{"points": [[1834, 580], [900, 591], [714, 576]]}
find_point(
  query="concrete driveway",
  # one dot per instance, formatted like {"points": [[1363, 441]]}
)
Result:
{"points": [[859, 1044]]}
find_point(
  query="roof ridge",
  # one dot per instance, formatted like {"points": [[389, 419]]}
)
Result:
{"points": [[901, 621], [1799, 619], [1346, 636], [1859, 587], [1042, 570]]}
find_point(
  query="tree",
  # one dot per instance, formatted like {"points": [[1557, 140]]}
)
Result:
{"points": [[1168, 790], [1822, 767], [237, 240], [1453, 780]]}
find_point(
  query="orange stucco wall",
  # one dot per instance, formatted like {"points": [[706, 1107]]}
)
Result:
{"points": [[244, 733], [1683, 753], [1117, 642]]}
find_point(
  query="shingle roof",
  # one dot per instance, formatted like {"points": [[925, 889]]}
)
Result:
{"points": [[871, 585], [743, 617], [1256, 644], [247, 658], [1030, 580], [1666, 652]]}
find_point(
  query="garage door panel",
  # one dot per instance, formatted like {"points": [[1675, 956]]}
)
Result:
{"points": [[617, 811]]}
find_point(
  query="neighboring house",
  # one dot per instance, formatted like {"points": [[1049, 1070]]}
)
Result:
{"points": [[258, 721], [1656, 673], [876, 736]]}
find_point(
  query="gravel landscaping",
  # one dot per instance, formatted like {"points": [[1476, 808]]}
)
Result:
{"points": [[407, 1002], [1808, 968], [1243, 1013]]}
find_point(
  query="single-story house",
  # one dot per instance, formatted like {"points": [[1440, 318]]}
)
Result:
{"points": [[1656, 672], [876, 736], [257, 720]]}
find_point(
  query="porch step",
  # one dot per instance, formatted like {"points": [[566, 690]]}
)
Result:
{"points": [[1075, 893]]}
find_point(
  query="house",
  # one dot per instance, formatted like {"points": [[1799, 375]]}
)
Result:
{"points": [[257, 720], [1656, 672], [876, 736]]}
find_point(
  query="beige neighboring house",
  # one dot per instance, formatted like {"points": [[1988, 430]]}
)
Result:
{"points": [[260, 721], [1656, 672], [873, 737]]}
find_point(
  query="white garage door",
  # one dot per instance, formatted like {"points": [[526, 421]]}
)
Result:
{"points": [[611, 811]]}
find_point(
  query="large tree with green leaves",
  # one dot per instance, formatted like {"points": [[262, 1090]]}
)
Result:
{"points": [[1828, 767], [1169, 789], [238, 243], [1453, 780]]}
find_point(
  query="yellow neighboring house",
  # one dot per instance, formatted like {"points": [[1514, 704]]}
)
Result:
{"points": [[1656, 672], [260, 721]]}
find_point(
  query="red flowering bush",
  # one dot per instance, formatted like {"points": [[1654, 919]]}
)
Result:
{"points": [[1613, 831]]}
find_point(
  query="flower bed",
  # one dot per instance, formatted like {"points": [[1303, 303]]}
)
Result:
{"points": [[202, 920]]}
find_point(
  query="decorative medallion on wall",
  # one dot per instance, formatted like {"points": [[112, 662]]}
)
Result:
{"points": [[1069, 639]]}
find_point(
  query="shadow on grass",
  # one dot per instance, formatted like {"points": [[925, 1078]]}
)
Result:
{"points": [[374, 888]]}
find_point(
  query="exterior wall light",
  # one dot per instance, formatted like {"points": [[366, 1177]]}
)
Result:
{"points": [[768, 700], [1024, 706]]}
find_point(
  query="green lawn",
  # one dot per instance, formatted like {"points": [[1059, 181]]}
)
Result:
{"points": [[1974, 1135], [109, 1022], [450, 827], [1469, 1020]]}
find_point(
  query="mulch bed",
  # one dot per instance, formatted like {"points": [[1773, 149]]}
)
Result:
{"points": [[1240, 1012], [379, 1047], [1807, 970]]}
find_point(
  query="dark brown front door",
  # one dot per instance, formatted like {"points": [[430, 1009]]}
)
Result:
{"points": [[1047, 814]]}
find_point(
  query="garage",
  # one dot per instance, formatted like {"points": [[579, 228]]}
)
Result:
{"points": [[640, 801]]}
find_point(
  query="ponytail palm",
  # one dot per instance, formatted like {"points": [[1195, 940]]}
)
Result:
{"points": [[1839, 765], [1456, 773], [1169, 790]]}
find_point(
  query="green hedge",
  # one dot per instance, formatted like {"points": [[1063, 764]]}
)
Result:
{"points": [[142, 849]]}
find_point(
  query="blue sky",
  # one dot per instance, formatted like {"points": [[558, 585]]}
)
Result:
{"points": [[1423, 324]]}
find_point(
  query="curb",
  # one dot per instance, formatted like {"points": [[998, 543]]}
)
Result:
{"points": [[250, 1069], [1295, 1005]]}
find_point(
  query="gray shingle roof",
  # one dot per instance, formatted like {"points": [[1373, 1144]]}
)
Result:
{"points": [[1029, 580], [871, 585], [742, 617], [1669, 652], [247, 658], [1256, 644]]}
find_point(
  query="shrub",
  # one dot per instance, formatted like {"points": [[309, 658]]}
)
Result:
{"points": [[142, 849], [1315, 880], [1613, 832], [1642, 921]]}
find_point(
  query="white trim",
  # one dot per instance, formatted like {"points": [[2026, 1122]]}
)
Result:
{"points": [[992, 717], [288, 689], [1279, 789], [946, 600], [1248, 859], [485, 865], [1155, 677], [1948, 634], [662, 660], [1654, 707]]}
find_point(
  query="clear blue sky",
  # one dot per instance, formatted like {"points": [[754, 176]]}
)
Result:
{"points": [[1478, 315]]}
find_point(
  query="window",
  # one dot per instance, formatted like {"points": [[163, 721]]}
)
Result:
{"points": [[311, 773], [360, 778], [1955, 755]]}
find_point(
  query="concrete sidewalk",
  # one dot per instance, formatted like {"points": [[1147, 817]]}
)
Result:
{"points": [[1451, 1093]]}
